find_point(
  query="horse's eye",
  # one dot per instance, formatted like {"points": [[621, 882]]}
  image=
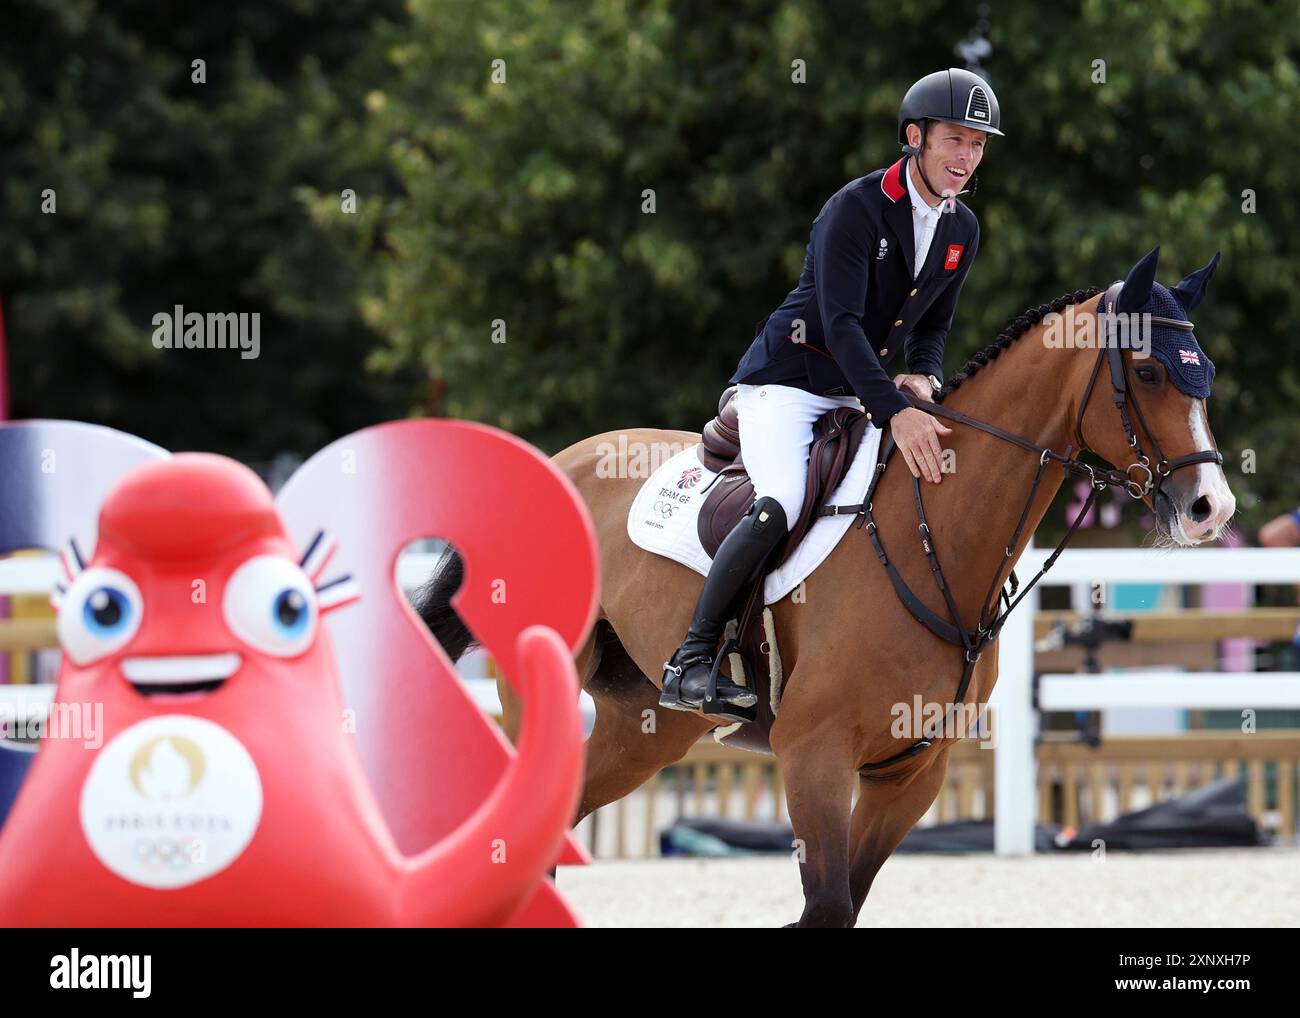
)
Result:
{"points": [[1148, 375]]}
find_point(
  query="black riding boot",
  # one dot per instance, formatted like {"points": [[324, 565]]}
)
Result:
{"points": [[739, 558]]}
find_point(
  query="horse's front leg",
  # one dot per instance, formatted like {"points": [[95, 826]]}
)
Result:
{"points": [[817, 764], [889, 805]]}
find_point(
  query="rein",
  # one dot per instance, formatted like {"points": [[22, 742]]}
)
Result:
{"points": [[972, 643]]}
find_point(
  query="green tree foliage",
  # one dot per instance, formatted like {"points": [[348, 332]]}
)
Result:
{"points": [[211, 195], [523, 197], [521, 200]]}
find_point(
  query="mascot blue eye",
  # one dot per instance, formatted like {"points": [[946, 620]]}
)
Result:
{"points": [[291, 612], [107, 612], [99, 615], [270, 604]]}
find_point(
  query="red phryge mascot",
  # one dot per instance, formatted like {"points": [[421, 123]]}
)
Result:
{"points": [[214, 779]]}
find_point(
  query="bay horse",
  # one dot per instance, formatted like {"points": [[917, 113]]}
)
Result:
{"points": [[852, 651]]}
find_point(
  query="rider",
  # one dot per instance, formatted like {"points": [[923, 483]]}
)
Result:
{"points": [[875, 279]]}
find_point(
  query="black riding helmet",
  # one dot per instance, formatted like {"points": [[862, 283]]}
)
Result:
{"points": [[954, 96]]}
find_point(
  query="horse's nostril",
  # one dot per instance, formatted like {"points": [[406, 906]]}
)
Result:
{"points": [[1201, 509]]}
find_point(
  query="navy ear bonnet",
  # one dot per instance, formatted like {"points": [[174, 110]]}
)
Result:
{"points": [[1189, 367]]}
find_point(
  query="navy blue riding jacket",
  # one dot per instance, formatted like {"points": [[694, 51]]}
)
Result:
{"points": [[858, 301]]}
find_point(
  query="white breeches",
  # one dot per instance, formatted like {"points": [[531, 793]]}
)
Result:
{"points": [[776, 430]]}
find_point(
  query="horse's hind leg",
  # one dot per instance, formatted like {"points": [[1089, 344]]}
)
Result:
{"points": [[887, 809], [633, 739]]}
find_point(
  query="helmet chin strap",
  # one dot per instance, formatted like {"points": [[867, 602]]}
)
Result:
{"points": [[915, 153]]}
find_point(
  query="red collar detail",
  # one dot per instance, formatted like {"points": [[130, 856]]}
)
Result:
{"points": [[892, 182]]}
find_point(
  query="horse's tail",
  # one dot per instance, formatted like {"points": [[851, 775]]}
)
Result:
{"points": [[433, 605]]}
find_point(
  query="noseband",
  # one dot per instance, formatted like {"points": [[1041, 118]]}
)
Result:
{"points": [[992, 615]]}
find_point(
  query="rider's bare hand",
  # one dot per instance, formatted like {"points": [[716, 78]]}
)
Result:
{"points": [[919, 384], [916, 433]]}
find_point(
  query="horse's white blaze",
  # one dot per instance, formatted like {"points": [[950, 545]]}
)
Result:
{"points": [[1211, 484]]}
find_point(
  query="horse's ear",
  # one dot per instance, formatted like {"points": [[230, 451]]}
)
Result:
{"points": [[1137, 285], [1191, 290]]}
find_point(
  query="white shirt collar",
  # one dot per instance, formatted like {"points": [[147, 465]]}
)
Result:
{"points": [[919, 207]]}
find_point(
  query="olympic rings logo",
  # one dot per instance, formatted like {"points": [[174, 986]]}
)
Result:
{"points": [[665, 509], [167, 854]]}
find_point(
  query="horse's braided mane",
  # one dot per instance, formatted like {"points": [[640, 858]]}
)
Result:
{"points": [[1022, 324]]}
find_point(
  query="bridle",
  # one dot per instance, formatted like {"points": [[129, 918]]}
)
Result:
{"points": [[1122, 397], [1149, 481]]}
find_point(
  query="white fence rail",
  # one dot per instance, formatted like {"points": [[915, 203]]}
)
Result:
{"points": [[1015, 779]]}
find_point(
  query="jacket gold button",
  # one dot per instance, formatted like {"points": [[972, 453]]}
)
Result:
{"points": [[868, 415], [884, 352], [912, 294], [898, 323]]}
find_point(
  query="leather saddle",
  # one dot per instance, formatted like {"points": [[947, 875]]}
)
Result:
{"points": [[836, 435]]}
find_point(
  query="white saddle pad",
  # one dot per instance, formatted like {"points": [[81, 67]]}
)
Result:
{"points": [[664, 514]]}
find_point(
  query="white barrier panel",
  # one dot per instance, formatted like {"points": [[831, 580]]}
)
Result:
{"points": [[1188, 690], [1015, 775], [416, 567], [1165, 565], [16, 700], [29, 575]]}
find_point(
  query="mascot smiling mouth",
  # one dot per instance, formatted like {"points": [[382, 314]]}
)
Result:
{"points": [[179, 678]]}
